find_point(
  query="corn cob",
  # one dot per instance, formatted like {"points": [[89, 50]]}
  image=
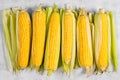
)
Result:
{"points": [[68, 40], [113, 41], [7, 37], [38, 39], [53, 43], [101, 40], [23, 38], [84, 42]]}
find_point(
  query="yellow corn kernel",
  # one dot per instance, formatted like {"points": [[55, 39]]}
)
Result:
{"points": [[84, 43], [53, 43], [24, 34], [38, 39], [101, 44], [68, 40]]}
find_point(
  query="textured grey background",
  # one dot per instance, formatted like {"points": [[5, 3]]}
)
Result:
{"points": [[90, 5]]}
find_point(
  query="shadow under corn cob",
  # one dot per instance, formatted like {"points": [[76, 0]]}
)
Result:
{"points": [[52, 50]]}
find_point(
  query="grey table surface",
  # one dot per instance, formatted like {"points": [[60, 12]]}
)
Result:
{"points": [[90, 5]]}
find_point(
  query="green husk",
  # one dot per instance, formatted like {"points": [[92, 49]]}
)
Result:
{"points": [[13, 37], [96, 32], [76, 65], [48, 12], [109, 40], [91, 19], [7, 37], [113, 41], [75, 14]]}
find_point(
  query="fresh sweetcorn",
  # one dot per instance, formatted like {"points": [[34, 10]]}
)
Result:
{"points": [[68, 40], [101, 40], [23, 38], [53, 42], [84, 42], [38, 39]]}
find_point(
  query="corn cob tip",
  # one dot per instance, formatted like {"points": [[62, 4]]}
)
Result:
{"points": [[101, 10], [15, 9], [91, 15], [103, 69], [55, 9], [82, 12], [7, 12], [39, 8]]}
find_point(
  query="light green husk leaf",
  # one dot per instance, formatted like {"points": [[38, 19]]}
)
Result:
{"points": [[76, 65], [13, 37], [91, 19], [7, 37], [113, 41]]}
